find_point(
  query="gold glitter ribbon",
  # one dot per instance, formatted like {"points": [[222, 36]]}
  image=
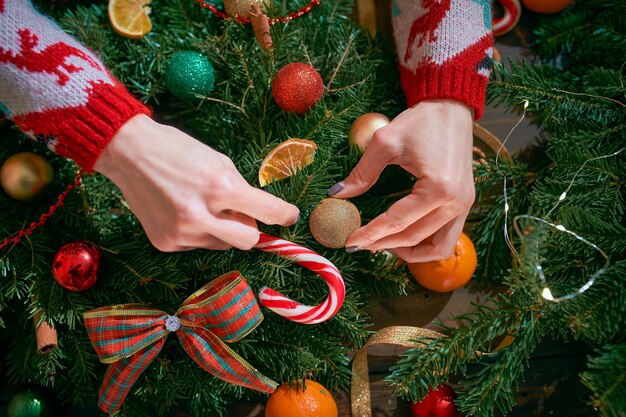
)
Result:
{"points": [[360, 396]]}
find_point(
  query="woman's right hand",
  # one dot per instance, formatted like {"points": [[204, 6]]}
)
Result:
{"points": [[185, 194], [433, 141]]}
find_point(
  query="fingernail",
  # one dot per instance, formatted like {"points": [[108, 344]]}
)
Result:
{"points": [[352, 249], [294, 222], [335, 189]]}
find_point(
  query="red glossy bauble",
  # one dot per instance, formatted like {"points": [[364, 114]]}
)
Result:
{"points": [[297, 87], [438, 403], [546, 6], [76, 266]]}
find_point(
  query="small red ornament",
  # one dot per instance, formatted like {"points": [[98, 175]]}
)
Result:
{"points": [[297, 87], [437, 403], [76, 265], [546, 6]]}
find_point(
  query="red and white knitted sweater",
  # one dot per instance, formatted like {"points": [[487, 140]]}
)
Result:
{"points": [[445, 49], [55, 89], [59, 92]]}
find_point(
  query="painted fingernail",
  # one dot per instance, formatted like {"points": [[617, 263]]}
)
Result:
{"points": [[335, 189], [352, 249], [298, 219]]}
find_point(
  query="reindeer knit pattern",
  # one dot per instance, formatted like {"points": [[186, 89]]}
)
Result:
{"points": [[445, 49], [58, 92], [55, 89]]}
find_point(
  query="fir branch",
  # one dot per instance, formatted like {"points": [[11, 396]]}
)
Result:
{"points": [[606, 378], [525, 82], [339, 65], [601, 315], [489, 390], [428, 366]]}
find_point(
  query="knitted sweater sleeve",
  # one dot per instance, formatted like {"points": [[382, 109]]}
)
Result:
{"points": [[55, 89], [445, 49]]}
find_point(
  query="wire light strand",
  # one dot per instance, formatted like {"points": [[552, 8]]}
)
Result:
{"points": [[546, 291], [507, 238]]}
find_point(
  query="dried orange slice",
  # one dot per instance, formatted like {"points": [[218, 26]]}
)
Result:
{"points": [[130, 17], [286, 159]]}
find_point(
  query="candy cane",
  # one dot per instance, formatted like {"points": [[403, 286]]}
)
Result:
{"points": [[289, 308], [512, 13]]}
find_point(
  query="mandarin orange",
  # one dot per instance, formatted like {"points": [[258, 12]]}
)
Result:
{"points": [[451, 273], [312, 401]]}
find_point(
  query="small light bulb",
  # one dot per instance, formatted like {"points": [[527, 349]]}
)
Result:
{"points": [[547, 294]]}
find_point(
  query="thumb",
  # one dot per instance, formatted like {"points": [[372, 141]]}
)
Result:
{"points": [[365, 173]]}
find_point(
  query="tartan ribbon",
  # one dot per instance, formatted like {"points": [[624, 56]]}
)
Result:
{"points": [[128, 337]]}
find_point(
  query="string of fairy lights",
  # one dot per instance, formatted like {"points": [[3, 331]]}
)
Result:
{"points": [[547, 292]]}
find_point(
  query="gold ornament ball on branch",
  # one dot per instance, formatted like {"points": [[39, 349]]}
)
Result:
{"points": [[25, 175], [333, 221], [363, 128], [242, 7]]}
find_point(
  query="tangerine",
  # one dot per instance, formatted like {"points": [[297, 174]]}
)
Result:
{"points": [[285, 159], [451, 273], [313, 401]]}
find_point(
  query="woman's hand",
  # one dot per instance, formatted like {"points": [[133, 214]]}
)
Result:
{"points": [[185, 194], [432, 141]]}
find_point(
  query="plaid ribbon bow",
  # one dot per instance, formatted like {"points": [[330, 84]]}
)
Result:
{"points": [[129, 337]]}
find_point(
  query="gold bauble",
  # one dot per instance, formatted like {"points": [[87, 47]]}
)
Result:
{"points": [[333, 221], [363, 129], [242, 7], [25, 175]]}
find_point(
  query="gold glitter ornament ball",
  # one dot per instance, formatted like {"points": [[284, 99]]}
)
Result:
{"points": [[333, 221], [242, 7], [363, 128], [25, 175]]}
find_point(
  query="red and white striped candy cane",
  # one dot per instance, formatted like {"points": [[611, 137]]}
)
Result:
{"points": [[289, 308], [512, 13]]}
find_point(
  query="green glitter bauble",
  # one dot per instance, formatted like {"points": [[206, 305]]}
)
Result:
{"points": [[189, 73], [29, 402]]}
